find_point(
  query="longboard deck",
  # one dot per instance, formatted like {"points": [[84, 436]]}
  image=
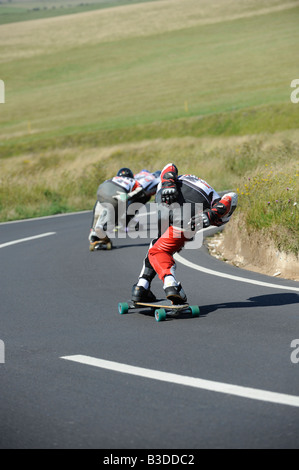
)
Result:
{"points": [[162, 308], [161, 305]]}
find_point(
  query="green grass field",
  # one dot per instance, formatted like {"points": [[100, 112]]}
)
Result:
{"points": [[24, 10], [127, 82], [140, 84]]}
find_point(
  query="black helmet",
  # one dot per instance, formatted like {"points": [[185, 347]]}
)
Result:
{"points": [[126, 172]]}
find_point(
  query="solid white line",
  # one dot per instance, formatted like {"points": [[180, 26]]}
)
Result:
{"points": [[182, 260], [21, 240], [245, 392]]}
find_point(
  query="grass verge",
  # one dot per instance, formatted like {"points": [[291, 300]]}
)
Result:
{"points": [[36, 10], [263, 170]]}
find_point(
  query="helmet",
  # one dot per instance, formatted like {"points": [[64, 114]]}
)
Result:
{"points": [[126, 172]]}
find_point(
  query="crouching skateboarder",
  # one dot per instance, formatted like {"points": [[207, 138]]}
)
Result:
{"points": [[172, 233], [113, 198]]}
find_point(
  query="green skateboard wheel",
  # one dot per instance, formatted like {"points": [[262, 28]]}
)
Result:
{"points": [[160, 314], [123, 307], [195, 310]]}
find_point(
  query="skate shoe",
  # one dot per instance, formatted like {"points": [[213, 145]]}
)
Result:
{"points": [[100, 243], [140, 294], [93, 242], [176, 294]]}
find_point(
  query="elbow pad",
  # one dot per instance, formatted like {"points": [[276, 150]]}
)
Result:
{"points": [[169, 177], [169, 174]]}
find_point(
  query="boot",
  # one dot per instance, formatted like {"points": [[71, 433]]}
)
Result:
{"points": [[176, 294], [140, 294]]}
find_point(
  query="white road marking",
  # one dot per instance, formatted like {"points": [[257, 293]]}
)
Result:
{"points": [[244, 392], [44, 217], [182, 260], [176, 256], [21, 240]]}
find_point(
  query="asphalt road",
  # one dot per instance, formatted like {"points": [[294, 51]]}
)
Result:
{"points": [[58, 300]]}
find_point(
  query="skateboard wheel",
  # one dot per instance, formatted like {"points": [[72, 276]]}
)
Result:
{"points": [[123, 307], [195, 310], [109, 246], [93, 247], [160, 314]]}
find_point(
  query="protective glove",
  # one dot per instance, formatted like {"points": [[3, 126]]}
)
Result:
{"points": [[169, 193], [199, 221], [169, 176], [205, 220]]}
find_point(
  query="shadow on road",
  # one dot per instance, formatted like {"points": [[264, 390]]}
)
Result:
{"points": [[131, 245], [271, 300]]}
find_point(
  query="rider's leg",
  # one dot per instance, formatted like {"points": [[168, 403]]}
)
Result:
{"points": [[160, 256], [141, 291], [103, 217]]}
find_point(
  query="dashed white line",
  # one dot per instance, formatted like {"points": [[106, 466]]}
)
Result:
{"points": [[44, 217], [182, 260], [244, 392], [21, 240]]}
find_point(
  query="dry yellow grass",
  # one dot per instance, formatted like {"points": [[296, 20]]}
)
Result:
{"points": [[50, 167], [31, 38]]}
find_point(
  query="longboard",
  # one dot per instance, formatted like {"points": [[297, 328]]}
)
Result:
{"points": [[161, 309]]}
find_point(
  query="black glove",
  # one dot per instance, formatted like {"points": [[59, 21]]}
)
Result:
{"points": [[205, 220], [199, 221], [169, 193]]}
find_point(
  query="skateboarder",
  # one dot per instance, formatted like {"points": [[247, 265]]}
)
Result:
{"points": [[124, 187], [174, 232]]}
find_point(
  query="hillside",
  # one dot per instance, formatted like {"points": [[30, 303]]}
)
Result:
{"points": [[206, 84]]}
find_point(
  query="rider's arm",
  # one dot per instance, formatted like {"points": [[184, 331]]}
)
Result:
{"points": [[135, 193], [169, 176], [221, 210]]}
